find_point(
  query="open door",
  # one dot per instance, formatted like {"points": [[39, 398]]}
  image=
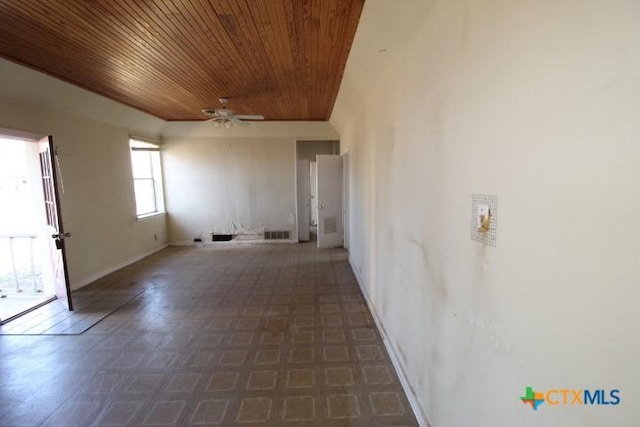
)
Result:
{"points": [[329, 191], [314, 197], [303, 201], [46, 153]]}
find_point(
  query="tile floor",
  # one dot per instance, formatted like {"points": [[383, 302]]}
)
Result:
{"points": [[270, 335], [12, 303], [91, 305]]}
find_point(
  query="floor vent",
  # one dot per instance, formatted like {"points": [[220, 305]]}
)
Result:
{"points": [[276, 235]]}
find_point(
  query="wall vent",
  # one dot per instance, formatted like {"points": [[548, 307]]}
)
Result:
{"points": [[330, 225], [276, 235]]}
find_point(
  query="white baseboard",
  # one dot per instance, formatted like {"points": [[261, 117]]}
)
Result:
{"points": [[417, 408], [93, 278], [185, 243]]}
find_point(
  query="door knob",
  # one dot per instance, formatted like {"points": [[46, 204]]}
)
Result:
{"points": [[319, 206]]}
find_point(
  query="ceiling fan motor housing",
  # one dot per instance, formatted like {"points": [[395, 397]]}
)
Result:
{"points": [[227, 116]]}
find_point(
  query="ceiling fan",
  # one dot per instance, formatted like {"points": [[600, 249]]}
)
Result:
{"points": [[225, 117]]}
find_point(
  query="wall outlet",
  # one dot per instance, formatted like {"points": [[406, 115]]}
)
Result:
{"points": [[483, 218]]}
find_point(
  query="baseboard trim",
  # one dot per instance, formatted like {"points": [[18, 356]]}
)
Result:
{"points": [[416, 407], [84, 282]]}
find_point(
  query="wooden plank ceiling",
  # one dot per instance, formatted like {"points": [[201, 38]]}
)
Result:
{"points": [[280, 58]]}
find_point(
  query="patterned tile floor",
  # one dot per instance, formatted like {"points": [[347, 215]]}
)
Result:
{"points": [[269, 335]]}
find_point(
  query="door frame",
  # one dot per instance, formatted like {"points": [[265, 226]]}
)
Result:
{"points": [[300, 153], [346, 166], [303, 201]]}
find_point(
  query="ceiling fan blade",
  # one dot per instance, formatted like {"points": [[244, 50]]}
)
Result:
{"points": [[238, 122], [249, 116]]}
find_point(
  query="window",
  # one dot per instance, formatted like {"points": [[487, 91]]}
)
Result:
{"points": [[147, 177]]}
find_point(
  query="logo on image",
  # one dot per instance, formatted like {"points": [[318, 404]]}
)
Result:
{"points": [[564, 396]]}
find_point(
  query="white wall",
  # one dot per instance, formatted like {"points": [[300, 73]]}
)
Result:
{"points": [[309, 149], [237, 181], [35, 88], [98, 204], [297, 130], [536, 102], [228, 186]]}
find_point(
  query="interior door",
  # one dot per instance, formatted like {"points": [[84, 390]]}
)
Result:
{"points": [[46, 154], [314, 197], [329, 193], [303, 190]]}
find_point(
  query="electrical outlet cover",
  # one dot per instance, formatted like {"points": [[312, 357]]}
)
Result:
{"points": [[483, 211], [481, 204]]}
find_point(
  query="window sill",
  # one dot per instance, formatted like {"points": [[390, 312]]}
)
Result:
{"points": [[150, 215]]}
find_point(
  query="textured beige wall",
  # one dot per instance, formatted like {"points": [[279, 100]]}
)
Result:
{"points": [[533, 101]]}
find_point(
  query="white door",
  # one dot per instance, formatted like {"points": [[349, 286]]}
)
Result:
{"points": [[329, 193], [314, 197], [345, 198], [303, 199], [54, 221]]}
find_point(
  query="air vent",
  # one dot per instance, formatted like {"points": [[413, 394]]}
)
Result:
{"points": [[330, 225], [221, 237], [276, 235]]}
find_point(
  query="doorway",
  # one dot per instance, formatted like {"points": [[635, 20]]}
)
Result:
{"points": [[32, 261], [308, 209]]}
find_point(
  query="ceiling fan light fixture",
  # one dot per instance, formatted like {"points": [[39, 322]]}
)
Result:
{"points": [[226, 117]]}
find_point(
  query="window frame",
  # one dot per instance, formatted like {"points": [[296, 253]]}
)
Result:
{"points": [[155, 166]]}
